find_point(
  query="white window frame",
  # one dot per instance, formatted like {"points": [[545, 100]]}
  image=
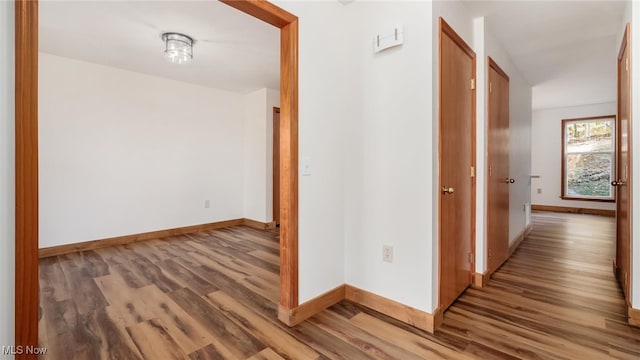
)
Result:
{"points": [[565, 184]]}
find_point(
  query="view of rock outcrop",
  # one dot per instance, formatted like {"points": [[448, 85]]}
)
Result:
{"points": [[589, 158]]}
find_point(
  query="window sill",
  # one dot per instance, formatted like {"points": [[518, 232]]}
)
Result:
{"points": [[587, 199]]}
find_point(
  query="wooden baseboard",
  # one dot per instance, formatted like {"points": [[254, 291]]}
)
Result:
{"points": [[573, 210], [616, 271], [438, 318], [480, 279], [412, 316], [258, 224], [129, 239], [292, 317], [519, 239], [634, 316]]}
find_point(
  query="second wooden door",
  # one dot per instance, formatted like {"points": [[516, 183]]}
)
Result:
{"points": [[498, 177], [623, 166]]}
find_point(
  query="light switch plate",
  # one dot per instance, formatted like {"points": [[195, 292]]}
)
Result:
{"points": [[306, 165]]}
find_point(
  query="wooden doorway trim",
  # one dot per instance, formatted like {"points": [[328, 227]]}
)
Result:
{"points": [[26, 167], [275, 198]]}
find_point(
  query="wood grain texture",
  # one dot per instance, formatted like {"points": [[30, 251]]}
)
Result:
{"points": [[26, 239], [414, 317], [573, 210], [288, 24], [288, 217], [26, 174], [555, 298], [520, 238], [634, 316], [259, 224], [498, 175], [132, 238], [480, 279], [289, 166], [276, 166], [456, 153], [313, 306], [624, 170], [263, 10]]}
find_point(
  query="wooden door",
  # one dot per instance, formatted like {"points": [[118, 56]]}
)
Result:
{"points": [[498, 179], [456, 161], [623, 167], [276, 165]]}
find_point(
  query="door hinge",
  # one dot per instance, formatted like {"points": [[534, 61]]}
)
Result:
{"points": [[490, 87], [473, 171], [473, 84], [489, 171], [471, 259], [626, 66]]}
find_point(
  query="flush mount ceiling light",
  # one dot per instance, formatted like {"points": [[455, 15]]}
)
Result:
{"points": [[178, 48]]}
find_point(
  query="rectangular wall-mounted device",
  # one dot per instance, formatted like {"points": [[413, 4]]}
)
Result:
{"points": [[388, 38]]}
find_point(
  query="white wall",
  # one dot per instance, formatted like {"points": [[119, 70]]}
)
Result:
{"points": [[519, 138], [325, 90], [389, 167], [124, 153], [479, 41], [7, 184], [547, 153], [519, 135], [258, 153], [635, 166]]}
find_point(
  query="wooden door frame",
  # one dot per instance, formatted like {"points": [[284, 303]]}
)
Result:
{"points": [[444, 28], [26, 158], [276, 179], [625, 45], [491, 64]]}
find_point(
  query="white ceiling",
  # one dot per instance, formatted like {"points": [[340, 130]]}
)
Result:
{"points": [[567, 50], [233, 51]]}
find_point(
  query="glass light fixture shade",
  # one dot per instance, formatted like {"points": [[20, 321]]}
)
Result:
{"points": [[178, 48]]}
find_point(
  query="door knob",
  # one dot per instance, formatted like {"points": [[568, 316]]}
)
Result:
{"points": [[447, 190], [509, 180], [617, 182]]}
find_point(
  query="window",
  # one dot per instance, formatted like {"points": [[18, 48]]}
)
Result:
{"points": [[588, 154]]}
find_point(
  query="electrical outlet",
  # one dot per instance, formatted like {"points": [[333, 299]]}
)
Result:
{"points": [[539, 191], [207, 204], [387, 253]]}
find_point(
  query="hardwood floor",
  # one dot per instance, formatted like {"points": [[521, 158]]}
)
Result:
{"points": [[213, 295]]}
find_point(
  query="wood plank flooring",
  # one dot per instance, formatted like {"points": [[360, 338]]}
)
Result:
{"points": [[213, 295]]}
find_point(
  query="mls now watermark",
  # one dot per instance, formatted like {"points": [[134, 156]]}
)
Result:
{"points": [[23, 350]]}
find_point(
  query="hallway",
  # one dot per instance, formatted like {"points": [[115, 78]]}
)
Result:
{"points": [[556, 297]]}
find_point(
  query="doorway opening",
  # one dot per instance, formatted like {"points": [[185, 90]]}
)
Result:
{"points": [[26, 161]]}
